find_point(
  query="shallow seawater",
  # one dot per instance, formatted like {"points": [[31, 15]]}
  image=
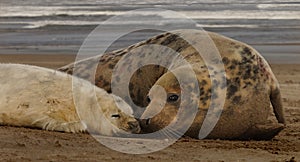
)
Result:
{"points": [[35, 26]]}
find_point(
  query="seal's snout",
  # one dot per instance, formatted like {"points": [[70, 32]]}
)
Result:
{"points": [[145, 122], [134, 126], [148, 121]]}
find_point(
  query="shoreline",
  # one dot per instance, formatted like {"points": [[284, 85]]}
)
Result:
{"points": [[45, 60], [287, 53]]}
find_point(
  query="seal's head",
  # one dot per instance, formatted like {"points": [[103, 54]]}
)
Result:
{"points": [[164, 101], [121, 116], [111, 116], [171, 101]]}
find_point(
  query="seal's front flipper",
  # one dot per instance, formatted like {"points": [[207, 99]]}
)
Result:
{"points": [[51, 124], [262, 131], [74, 127]]}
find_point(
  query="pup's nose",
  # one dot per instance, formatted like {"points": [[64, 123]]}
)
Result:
{"points": [[134, 126]]}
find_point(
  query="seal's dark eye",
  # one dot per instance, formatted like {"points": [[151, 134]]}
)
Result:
{"points": [[148, 99], [173, 98], [115, 116]]}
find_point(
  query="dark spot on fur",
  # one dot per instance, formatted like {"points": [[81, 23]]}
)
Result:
{"points": [[179, 49], [204, 100], [237, 80], [148, 41], [228, 81], [122, 53], [234, 62], [255, 69], [231, 67], [207, 97], [231, 90], [203, 83], [160, 36], [225, 61], [169, 39], [247, 51], [202, 91], [101, 59], [247, 84], [111, 66], [236, 99], [247, 74]]}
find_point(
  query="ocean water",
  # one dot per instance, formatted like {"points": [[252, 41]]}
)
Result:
{"points": [[38, 25]]}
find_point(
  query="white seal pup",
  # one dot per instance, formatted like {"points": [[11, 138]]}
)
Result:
{"points": [[37, 97]]}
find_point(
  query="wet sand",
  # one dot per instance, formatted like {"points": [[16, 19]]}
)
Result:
{"points": [[24, 144]]}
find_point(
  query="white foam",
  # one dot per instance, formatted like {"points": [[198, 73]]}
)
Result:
{"points": [[34, 11], [38, 24], [229, 14], [31, 11], [272, 6], [227, 26]]}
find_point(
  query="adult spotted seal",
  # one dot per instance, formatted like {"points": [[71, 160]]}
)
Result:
{"points": [[251, 85], [250, 89], [43, 98]]}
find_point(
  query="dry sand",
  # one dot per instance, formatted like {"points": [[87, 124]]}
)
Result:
{"points": [[23, 144]]}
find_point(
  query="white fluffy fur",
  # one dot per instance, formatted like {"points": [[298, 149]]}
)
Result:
{"points": [[37, 97]]}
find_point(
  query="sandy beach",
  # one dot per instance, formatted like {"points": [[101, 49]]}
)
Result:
{"points": [[50, 33], [24, 144]]}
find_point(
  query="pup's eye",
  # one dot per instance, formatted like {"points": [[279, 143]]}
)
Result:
{"points": [[148, 99], [115, 116], [173, 98]]}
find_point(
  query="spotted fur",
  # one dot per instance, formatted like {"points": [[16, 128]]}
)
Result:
{"points": [[251, 84]]}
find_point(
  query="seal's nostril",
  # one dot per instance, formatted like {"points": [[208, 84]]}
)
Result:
{"points": [[148, 121]]}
